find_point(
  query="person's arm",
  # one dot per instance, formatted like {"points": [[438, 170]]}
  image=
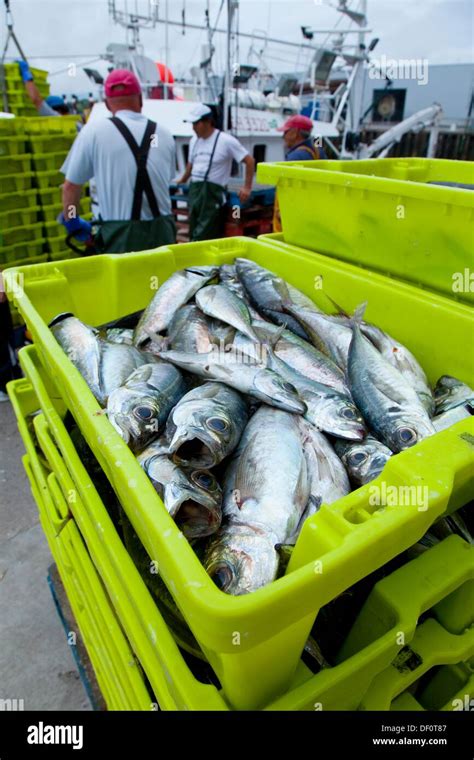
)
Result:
{"points": [[186, 175], [244, 192], [73, 223], [30, 87]]}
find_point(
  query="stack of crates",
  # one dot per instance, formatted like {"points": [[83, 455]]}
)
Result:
{"points": [[21, 229], [411, 642], [19, 102], [50, 139]]}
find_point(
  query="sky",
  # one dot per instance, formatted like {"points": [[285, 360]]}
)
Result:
{"points": [[53, 33]]}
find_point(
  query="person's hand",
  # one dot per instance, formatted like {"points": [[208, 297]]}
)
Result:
{"points": [[25, 72], [77, 227], [244, 194]]}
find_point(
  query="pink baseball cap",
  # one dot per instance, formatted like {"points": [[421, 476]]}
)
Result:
{"points": [[120, 83], [297, 122]]}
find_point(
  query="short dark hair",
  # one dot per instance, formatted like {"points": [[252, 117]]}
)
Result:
{"points": [[63, 110]]}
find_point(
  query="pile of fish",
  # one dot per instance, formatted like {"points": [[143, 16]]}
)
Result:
{"points": [[248, 407]]}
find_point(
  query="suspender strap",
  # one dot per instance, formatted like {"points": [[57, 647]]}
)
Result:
{"points": [[314, 152], [140, 153], [212, 156]]}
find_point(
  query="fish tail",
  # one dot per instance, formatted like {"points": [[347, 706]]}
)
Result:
{"points": [[338, 308], [358, 315]]}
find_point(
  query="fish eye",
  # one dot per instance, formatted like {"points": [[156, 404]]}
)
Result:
{"points": [[144, 413], [203, 479], [288, 387], [357, 457], [406, 435], [222, 575], [218, 424], [348, 413]]}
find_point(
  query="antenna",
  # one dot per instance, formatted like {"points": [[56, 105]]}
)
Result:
{"points": [[133, 22]]}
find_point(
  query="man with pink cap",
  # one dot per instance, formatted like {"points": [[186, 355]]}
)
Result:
{"points": [[132, 160], [299, 147]]}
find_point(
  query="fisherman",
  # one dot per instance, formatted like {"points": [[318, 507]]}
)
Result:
{"points": [[53, 105], [211, 153], [299, 147], [132, 160]]}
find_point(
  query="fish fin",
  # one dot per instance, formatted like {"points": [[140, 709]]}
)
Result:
{"points": [[338, 308], [358, 315]]}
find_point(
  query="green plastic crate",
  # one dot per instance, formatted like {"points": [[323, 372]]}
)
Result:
{"points": [[15, 164], [51, 143], [383, 214], [25, 111], [57, 244], [21, 251], [12, 73], [119, 677], [50, 196], [27, 261], [427, 582], [47, 125], [49, 179], [19, 97], [63, 254], [16, 183], [18, 217], [12, 145], [15, 126], [13, 200], [22, 234], [444, 658], [46, 162], [149, 637], [351, 537]]}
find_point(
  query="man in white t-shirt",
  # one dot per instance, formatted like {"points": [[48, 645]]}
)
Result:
{"points": [[211, 153]]}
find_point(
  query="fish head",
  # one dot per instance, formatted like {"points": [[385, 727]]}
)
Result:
{"points": [[275, 391], [241, 559], [365, 460], [134, 415], [338, 415], [202, 433], [194, 501], [408, 430]]}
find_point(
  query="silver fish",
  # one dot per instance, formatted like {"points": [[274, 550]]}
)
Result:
{"points": [[450, 392], [265, 494], [330, 336], [175, 292], [228, 277], [81, 345], [206, 425], [298, 354], [139, 409], [221, 303], [118, 361], [387, 401], [399, 356], [119, 335], [221, 334], [363, 460], [445, 420], [192, 497], [328, 476], [268, 293], [329, 410], [246, 377], [189, 331]]}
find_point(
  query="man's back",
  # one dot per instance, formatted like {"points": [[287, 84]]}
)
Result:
{"points": [[100, 151]]}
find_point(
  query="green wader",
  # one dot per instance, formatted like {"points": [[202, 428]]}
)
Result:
{"points": [[137, 234], [206, 209]]}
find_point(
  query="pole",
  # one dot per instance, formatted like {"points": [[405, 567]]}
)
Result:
{"points": [[166, 83]]}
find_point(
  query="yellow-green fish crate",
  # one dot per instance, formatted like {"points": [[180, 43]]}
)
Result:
{"points": [[12, 74], [348, 539], [26, 261], [24, 233], [44, 162], [385, 626], [49, 179], [14, 200], [47, 125], [25, 111], [51, 212], [12, 145], [387, 214], [42, 144], [19, 217], [22, 251], [15, 164], [16, 183], [15, 126], [119, 675]]}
